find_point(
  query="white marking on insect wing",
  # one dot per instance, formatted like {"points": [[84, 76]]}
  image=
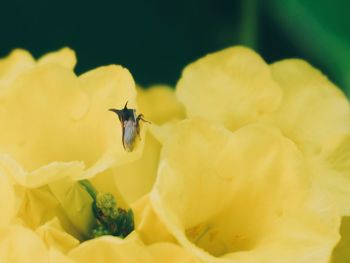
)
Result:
{"points": [[130, 133]]}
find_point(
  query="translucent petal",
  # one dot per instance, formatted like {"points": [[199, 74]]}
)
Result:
{"points": [[136, 178], [233, 86], [159, 104]]}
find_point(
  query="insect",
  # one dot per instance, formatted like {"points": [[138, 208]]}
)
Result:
{"points": [[130, 126]]}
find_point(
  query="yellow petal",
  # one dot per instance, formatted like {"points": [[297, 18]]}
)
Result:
{"points": [[49, 98], [18, 244], [108, 87], [8, 201], [136, 178], [316, 115], [55, 237], [105, 182], [331, 170], [64, 57], [15, 63], [38, 206], [39, 111], [146, 221], [314, 112], [77, 205], [111, 249], [58, 257], [233, 86], [170, 253], [259, 203], [159, 104], [41, 176]]}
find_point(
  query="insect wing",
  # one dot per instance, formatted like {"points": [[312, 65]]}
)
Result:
{"points": [[129, 135]]}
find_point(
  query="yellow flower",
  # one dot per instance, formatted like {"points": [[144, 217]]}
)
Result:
{"points": [[232, 86], [241, 196], [290, 94], [257, 172], [58, 124]]}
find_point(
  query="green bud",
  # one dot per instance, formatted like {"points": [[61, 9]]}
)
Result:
{"points": [[106, 203], [111, 219], [114, 214], [100, 231]]}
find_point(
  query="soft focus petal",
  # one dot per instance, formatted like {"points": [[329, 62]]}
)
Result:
{"points": [[18, 244], [314, 112], [39, 111], [42, 176], [38, 206], [55, 237], [7, 200], [333, 173], [15, 63], [170, 253], [332, 181], [147, 223], [159, 104], [111, 249], [233, 86], [64, 57], [105, 182], [58, 257], [136, 178], [259, 203]]}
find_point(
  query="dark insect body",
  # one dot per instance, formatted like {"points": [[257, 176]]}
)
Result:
{"points": [[130, 126]]}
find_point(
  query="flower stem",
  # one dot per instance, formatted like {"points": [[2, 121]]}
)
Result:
{"points": [[89, 188]]}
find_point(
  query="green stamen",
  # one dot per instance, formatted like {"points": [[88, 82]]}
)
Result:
{"points": [[111, 219]]}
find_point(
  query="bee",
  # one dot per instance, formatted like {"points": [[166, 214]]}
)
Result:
{"points": [[130, 126]]}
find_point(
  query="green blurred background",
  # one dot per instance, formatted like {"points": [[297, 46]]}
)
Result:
{"points": [[155, 39]]}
